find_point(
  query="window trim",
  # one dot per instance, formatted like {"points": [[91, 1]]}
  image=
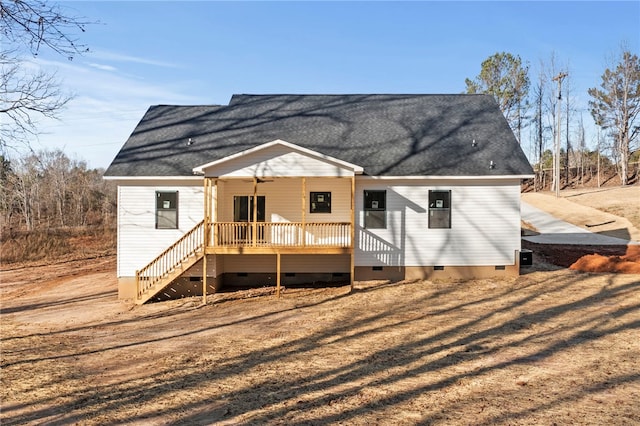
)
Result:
{"points": [[443, 209], [319, 207], [376, 209], [161, 209]]}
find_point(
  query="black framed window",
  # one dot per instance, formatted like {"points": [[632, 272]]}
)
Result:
{"points": [[439, 209], [320, 202], [166, 209], [375, 209]]}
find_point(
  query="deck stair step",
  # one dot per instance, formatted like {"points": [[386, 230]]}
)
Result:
{"points": [[168, 278], [170, 264]]}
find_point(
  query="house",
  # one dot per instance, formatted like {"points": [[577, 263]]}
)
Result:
{"points": [[283, 189]]}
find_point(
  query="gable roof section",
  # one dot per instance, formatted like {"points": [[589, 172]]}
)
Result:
{"points": [[387, 135], [259, 162]]}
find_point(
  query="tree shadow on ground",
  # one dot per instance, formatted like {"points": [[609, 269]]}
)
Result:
{"points": [[385, 351]]}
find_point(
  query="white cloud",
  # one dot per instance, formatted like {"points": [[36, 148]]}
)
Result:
{"points": [[103, 67], [108, 104], [119, 57]]}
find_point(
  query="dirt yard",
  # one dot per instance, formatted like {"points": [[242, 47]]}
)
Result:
{"points": [[613, 212], [554, 346]]}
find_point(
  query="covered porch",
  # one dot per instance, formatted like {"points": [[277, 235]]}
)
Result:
{"points": [[279, 198], [281, 213], [279, 216]]}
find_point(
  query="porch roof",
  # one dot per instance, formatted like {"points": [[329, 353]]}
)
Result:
{"points": [[278, 159]]}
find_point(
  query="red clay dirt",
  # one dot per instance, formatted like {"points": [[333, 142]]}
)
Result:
{"points": [[615, 210], [618, 259], [629, 263]]}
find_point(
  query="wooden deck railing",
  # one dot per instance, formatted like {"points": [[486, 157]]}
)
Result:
{"points": [[280, 234], [170, 259]]}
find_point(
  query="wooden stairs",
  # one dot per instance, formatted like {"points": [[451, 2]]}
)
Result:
{"points": [[170, 264]]}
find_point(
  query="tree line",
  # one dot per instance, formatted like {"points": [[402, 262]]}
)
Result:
{"points": [[47, 190], [555, 123], [535, 106]]}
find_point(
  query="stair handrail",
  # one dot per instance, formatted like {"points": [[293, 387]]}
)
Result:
{"points": [[171, 258]]}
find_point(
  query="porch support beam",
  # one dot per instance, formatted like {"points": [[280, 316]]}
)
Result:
{"points": [[353, 231], [205, 235], [214, 213], [255, 212], [304, 210]]}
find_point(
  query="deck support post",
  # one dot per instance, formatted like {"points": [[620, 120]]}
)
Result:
{"points": [[278, 275], [206, 237], [204, 279], [137, 284], [353, 232]]}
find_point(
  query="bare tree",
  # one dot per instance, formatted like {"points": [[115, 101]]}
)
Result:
{"points": [[25, 95], [538, 94], [47, 189], [582, 148], [616, 106]]}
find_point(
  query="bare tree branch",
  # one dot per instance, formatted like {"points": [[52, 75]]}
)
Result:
{"points": [[37, 23], [26, 95]]}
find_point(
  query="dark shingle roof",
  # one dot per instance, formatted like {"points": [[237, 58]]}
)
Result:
{"points": [[388, 135]]}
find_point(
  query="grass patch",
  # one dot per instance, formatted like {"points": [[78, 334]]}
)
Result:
{"points": [[56, 244]]}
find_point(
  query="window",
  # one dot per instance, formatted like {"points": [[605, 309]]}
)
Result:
{"points": [[166, 209], [320, 202], [243, 208], [375, 209], [439, 209]]}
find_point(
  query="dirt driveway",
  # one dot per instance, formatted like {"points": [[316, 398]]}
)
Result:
{"points": [[551, 347]]}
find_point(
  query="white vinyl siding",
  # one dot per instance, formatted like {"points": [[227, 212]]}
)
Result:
{"points": [[139, 241], [283, 198], [485, 225], [485, 219]]}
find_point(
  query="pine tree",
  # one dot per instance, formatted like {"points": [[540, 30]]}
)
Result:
{"points": [[504, 76]]}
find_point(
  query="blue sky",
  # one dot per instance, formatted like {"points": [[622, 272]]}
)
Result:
{"points": [[145, 53]]}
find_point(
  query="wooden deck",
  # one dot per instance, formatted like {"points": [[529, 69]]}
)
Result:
{"points": [[241, 238], [270, 237]]}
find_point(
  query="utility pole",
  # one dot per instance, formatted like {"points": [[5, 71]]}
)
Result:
{"points": [[556, 163]]}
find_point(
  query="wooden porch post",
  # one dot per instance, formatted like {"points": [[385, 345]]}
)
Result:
{"points": [[214, 213], [255, 210], [205, 236], [304, 210], [353, 230]]}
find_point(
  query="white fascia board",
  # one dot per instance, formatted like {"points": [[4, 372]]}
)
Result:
{"points": [[150, 178], [356, 169], [487, 177]]}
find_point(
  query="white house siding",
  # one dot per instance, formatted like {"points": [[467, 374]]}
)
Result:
{"points": [[138, 240], [283, 198], [277, 160], [485, 224]]}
